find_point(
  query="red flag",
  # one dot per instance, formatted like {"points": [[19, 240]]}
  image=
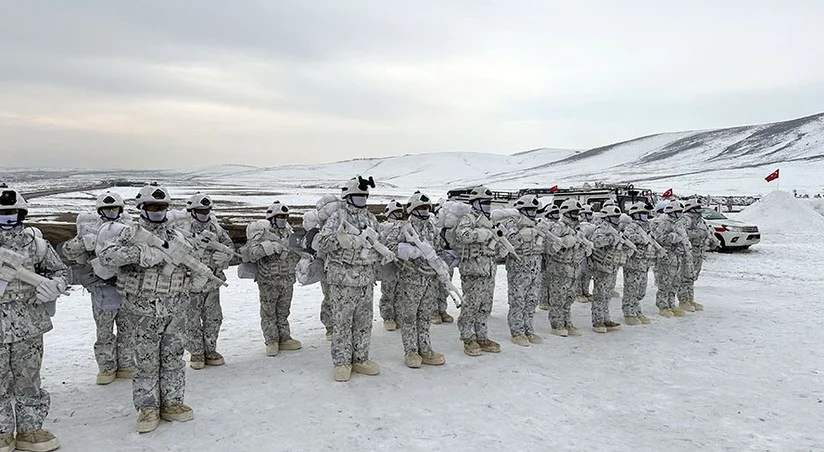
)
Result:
{"points": [[553, 189], [773, 176], [667, 194]]}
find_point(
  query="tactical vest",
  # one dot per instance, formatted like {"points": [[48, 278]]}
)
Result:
{"points": [[33, 249]]}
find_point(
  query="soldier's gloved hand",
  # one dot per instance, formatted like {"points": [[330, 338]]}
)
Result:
{"points": [[407, 251], [270, 247], [199, 281], [568, 241], [221, 258], [484, 235], [149, 256], [89, 241], [349, 241], [48, 291]]}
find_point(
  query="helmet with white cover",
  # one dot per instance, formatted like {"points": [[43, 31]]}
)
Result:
{"points": [[393, 207], [571, 208], [277, 209], [673, 207], [109, 200], [199, 201], [357, 186], [611, 211], [419, 205], [152, 194], [15, 206], [692, 204], [480, 193]]}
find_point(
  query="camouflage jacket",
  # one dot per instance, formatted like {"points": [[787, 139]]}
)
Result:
{"points": [[349, 261], [278, 268], [22, 316], [478, 254]]}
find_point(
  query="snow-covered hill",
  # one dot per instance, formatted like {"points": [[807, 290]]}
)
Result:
{"points": [[731, 160]]}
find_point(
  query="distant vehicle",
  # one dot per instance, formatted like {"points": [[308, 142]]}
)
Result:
{"points": [[623, 195], [732, 234]]}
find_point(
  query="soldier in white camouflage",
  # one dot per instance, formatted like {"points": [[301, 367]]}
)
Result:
{"points": [[275, 277], [479, 250], [350, 264], [204, 316], [672, 236], [389, 286], [563, 263], [31, 278], [587, 227], [523, 270], [636, 269], [609, 253], [548, 215], [113, 352], [700, 238], [416, 281], [155, 295], [450, 257]]}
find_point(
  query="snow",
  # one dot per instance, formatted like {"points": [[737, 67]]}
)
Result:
{"points": [[780, 212], [745, 374]]}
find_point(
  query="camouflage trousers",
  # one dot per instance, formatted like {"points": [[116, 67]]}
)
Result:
{"points": [[352, 323], [635, 289], [439, 305], [325, 306], [524, 292], [112, 351], [478, 292], [584, 280], [160, 379], [690, 274], [604, 284], [203, 320], [560, 294], [23, 403], [666, 279], [388, 302], [415, 296], [275, 306]]}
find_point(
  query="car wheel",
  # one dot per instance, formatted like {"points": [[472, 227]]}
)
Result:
{"points": [[722, 247]]}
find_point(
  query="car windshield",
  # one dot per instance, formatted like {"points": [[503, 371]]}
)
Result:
{"points": [[710, 214]]}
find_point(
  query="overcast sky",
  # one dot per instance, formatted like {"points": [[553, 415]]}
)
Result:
{"points": [[193, 83]]}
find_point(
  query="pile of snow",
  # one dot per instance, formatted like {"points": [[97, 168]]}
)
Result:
{"points": [[780, 213], [816, 204]]}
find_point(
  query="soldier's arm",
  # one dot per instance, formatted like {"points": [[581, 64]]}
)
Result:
{"points": [[466, 233], [75, 250], [255, 247], [51, 266], [118, 252]]}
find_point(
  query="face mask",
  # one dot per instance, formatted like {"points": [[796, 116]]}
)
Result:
{"points": [[484, 208], [642, 217], [154, 217], [358, 200], [675, 215], [554, 216], [110, 214], [614, 220], [201, 217], [8, 221], [394, 215], [530, 213], [279, 223]]}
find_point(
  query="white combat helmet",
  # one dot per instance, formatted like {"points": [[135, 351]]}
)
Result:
{"points": [[277, 209], [569, 206], [692, 204], [480, 193], [393, 207], [611, 211], [357, 186], [418, 200], [11, 199], [199, 201], [152, 194]]}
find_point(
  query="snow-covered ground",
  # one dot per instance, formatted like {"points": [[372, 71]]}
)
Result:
{"points": [[745, 374]]}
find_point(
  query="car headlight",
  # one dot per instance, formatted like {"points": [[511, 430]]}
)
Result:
{"points": [[733, 228]]}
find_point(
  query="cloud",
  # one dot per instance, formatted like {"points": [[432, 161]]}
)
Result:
{"points": [[192, 83]]}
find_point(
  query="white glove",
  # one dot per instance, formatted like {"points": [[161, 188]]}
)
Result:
{"points": [[349, 241], [199, 281], [568, 241], [407, 251], [149, 256], [221, 258], [270, 248], [48, 291], [484, 235], [89, 241]]}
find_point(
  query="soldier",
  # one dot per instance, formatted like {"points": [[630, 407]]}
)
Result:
{"points": [[275, 277], [347, 240], [551, 214], [636, 269], [672, 236], [699, 236], [417, 281], [479, 250], [114, 353], [585, 277], [31, 278], [155, 286], [450, 257], [204, 315], [608, 255], [388, 308], [523, 270], [563, 267]]}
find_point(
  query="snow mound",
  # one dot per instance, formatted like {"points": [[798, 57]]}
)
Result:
{"points": [[779, 212]]}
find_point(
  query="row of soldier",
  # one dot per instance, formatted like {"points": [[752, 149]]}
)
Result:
{"points": [[159, 280]]}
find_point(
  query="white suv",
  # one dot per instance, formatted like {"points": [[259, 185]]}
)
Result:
{"points": [[732, 234]]}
